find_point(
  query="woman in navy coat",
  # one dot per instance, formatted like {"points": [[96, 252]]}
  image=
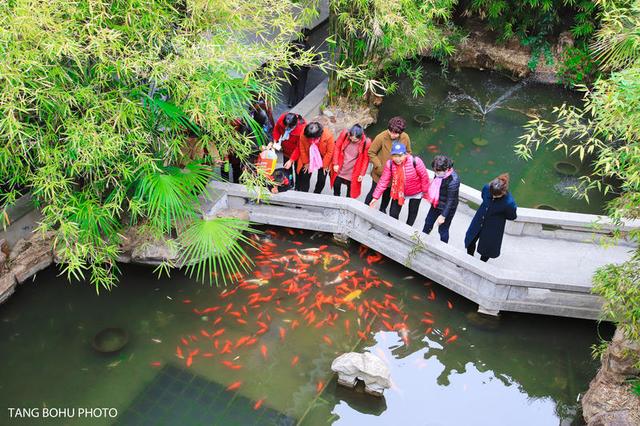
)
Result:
{"points": [[487, 227]]}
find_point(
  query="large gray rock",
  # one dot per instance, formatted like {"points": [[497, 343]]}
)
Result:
{"points": [[609, 400], [31, 256], [366, 367]]}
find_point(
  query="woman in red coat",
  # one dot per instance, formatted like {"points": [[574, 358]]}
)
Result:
{"points": [[350, 161], [314, 152], [286, 134]]}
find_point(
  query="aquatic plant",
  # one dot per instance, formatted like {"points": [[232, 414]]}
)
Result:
{"points": [[98, 101]]}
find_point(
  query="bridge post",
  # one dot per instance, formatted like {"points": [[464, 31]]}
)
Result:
{"points": [[488, 311]]}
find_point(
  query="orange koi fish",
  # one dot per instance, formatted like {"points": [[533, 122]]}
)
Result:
{"points": [[241, 321], [346, 326], [327, 340], [179, 353], [282, 333], [427, 321], [263, 351], [432, 295], [218, 333], [258, 404], [446, 332], [386, 324], [295, 360], [234, 386], [217, 321], [186, 301], [319, 386], [184, 341], [189, 361], [156, 364], [449, 305], [452, 339], [204, 333]]}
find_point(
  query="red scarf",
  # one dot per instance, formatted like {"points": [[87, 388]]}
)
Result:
{"points": [[397, 182]]}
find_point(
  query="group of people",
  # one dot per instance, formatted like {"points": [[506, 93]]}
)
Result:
{"points": [[398, 176]]}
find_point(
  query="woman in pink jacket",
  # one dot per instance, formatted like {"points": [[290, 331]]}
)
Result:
{"points": [[409, 181]]}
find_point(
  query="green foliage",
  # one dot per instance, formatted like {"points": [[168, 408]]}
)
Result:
{"points": [[635, 387], [577, 66], [607, 127], [534, 22], [381, 37], [97, 100]]}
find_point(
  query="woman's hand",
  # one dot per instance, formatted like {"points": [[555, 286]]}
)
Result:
{"points": [[336, 168], [441, 219], [305, 168], [360, 178], [373, 202], [287, 165]]}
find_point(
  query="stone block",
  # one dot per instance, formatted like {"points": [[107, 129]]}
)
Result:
{"points": [[367, 367]]}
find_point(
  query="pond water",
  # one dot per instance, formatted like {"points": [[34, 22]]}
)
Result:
{"points": [[476, 117], [260, 352]]}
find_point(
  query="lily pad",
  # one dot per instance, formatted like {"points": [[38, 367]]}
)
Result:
{"points": [[480, 141], [545, 207], [423, 119], [566, 168]]}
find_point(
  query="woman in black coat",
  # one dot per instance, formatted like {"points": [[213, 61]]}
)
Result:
{"points": [[487, 227]]}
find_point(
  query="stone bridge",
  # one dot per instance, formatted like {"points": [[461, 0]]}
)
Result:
{"points": [[547, 261]]}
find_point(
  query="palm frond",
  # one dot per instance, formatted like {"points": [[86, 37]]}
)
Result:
{"points": [[213, 249]]}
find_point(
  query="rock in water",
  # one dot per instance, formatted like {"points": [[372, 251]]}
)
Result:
{"points": [[366, 367]]}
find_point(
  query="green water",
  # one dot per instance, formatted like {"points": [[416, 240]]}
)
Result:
{"points": [[520, 369], [457, 121]]}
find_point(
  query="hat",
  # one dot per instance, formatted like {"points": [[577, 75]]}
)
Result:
{"points": [[398, 149]]}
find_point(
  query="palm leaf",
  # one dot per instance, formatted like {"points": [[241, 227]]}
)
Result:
{"points": [[168, 198], [213, 248]]}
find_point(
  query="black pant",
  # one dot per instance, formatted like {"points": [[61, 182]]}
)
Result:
{"points": [[298, 84], [443, 229], [303, 181], [414, 205], [471, 248], [337, 186], [386, 197], [235, 168], [322, 177]]}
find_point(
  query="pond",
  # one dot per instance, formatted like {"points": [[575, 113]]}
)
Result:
{"points": [[260, 352], [476, 117]]}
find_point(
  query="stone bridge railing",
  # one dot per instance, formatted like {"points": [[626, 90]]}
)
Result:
{"points": [[494, 289]]}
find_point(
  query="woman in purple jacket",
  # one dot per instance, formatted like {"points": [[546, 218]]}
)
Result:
{"points": [[409, 180]]}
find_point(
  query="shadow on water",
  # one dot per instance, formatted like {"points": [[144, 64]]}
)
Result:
{"points": [[261, 351]]}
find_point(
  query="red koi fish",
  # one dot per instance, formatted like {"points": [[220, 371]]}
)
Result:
{"points": [[156, 364], [346, 326], [179, 353], [263, 351], [258, 404], [386, 324], [218, 333], [432, 295], [327, 340], [217, 321], [452, 339], [241, 321], [230, 365], [449, 305], [374, 258], [427, 321], [319, 386], [446, 332], [205, 334], [234, 386], [283, 332], [295, 360], [184, 341], [189, 361]]}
